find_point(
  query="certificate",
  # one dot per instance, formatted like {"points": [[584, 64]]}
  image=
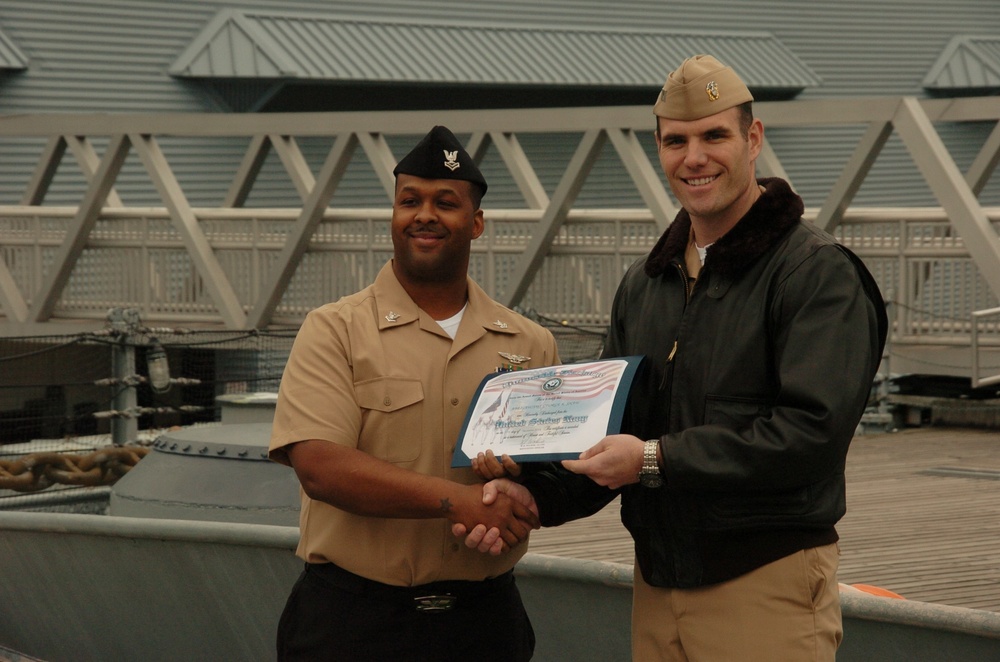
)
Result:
{"points": [[543, 414]]}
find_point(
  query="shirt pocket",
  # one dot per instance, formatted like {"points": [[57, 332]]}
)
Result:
{"points": [[391, 418]]}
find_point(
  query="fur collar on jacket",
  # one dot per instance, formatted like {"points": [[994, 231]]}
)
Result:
{"points": [[774, 213]]}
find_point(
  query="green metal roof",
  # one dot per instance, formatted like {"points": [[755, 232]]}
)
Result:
{"points": [[11, 56], [325, 48], [967, 62]]}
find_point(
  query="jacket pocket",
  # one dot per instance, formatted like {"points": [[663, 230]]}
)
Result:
{"points": [[818, 504], [746, 510], [391, 418], [734, 413]]}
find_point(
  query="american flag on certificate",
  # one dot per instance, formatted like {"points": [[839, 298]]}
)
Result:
{"points": [[573, 382]]}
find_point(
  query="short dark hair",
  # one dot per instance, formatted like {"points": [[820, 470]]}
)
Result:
{"points": [[476, 192], [746, 117]]}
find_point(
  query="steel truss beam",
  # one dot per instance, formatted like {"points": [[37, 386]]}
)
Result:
{"points": [[909, 118]]}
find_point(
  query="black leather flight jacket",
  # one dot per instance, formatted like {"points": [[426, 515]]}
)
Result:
{"points": [[754, 381]]}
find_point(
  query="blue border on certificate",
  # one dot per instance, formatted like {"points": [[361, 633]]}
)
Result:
{"points": [[460, 458]]}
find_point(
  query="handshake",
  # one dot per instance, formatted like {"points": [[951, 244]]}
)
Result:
{"points": [[504, 512], [507, 511], [510, 515]]}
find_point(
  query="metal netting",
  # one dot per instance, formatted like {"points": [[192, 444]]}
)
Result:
{"points": [[65, 387], [77, 394], [575, 342], [64, 393]]}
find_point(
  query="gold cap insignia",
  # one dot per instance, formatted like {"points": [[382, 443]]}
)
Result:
{"points": [[712, 89]]}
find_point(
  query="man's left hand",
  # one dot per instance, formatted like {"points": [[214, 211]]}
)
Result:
{"points": [[615, 461], [489, 466]]}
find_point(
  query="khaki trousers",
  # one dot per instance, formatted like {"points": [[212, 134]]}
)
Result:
{"points": [[788, 610]]}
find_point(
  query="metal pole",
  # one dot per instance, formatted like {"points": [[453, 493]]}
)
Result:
{"points": [[974, 341], [883, 399], [124, 428]]}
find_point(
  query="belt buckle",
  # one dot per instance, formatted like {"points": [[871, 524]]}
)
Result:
{"points": [[435, 603]]}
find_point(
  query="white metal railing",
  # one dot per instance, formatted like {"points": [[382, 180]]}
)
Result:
{"points": [[978, 315], [135, 258], [243, 268]]}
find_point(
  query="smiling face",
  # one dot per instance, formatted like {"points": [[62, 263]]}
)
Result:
{"points": [[709, 164], [433, 224]]}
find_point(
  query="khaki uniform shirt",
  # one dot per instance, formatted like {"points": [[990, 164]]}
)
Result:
{"points": [[374, 372]]}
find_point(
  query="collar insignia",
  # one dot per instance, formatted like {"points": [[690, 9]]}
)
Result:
{"points": [[712, 90], [500, 325], [450, 160], [391, 317], [515, 359]]}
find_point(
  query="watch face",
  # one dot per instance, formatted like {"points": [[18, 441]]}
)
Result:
{"points": [[650, 480]]}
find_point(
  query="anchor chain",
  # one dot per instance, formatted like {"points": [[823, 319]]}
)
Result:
{"points": [[38, 471]]}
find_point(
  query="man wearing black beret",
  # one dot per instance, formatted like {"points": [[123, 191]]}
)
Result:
{"points": [[369, 409]]}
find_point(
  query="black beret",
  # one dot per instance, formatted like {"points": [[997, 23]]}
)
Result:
{"points": [[439, 155]]}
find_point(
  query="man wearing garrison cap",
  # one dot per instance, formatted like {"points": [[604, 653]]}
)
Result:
{"points": [[763, 336], [370, 406]]}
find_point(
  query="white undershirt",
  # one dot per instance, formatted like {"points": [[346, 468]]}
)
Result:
{"points": [[450, 325], [702, 252]]}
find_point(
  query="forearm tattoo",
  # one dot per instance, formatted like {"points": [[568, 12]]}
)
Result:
{"points": [[446, 506]]}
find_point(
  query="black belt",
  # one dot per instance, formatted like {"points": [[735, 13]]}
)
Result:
{"points": [[432, 597]]}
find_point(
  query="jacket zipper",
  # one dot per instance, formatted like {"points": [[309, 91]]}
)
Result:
{"points": [[668, 367]]}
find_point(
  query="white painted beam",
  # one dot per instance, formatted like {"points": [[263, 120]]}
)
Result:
{"points": [[186, 223]]}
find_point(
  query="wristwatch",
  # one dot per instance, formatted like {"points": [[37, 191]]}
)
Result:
{"points": [[649, 475]]}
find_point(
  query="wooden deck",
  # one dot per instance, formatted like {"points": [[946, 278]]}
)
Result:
{"points": [[923, 518]]}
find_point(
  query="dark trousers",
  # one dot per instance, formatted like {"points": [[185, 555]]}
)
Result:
{"points": [[332, 614]]}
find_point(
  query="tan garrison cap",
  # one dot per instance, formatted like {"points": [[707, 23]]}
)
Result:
{"points": [[700, 87]]}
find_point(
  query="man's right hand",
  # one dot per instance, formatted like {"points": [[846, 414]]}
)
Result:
{"points": [[510, 520], [489, 539]]}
